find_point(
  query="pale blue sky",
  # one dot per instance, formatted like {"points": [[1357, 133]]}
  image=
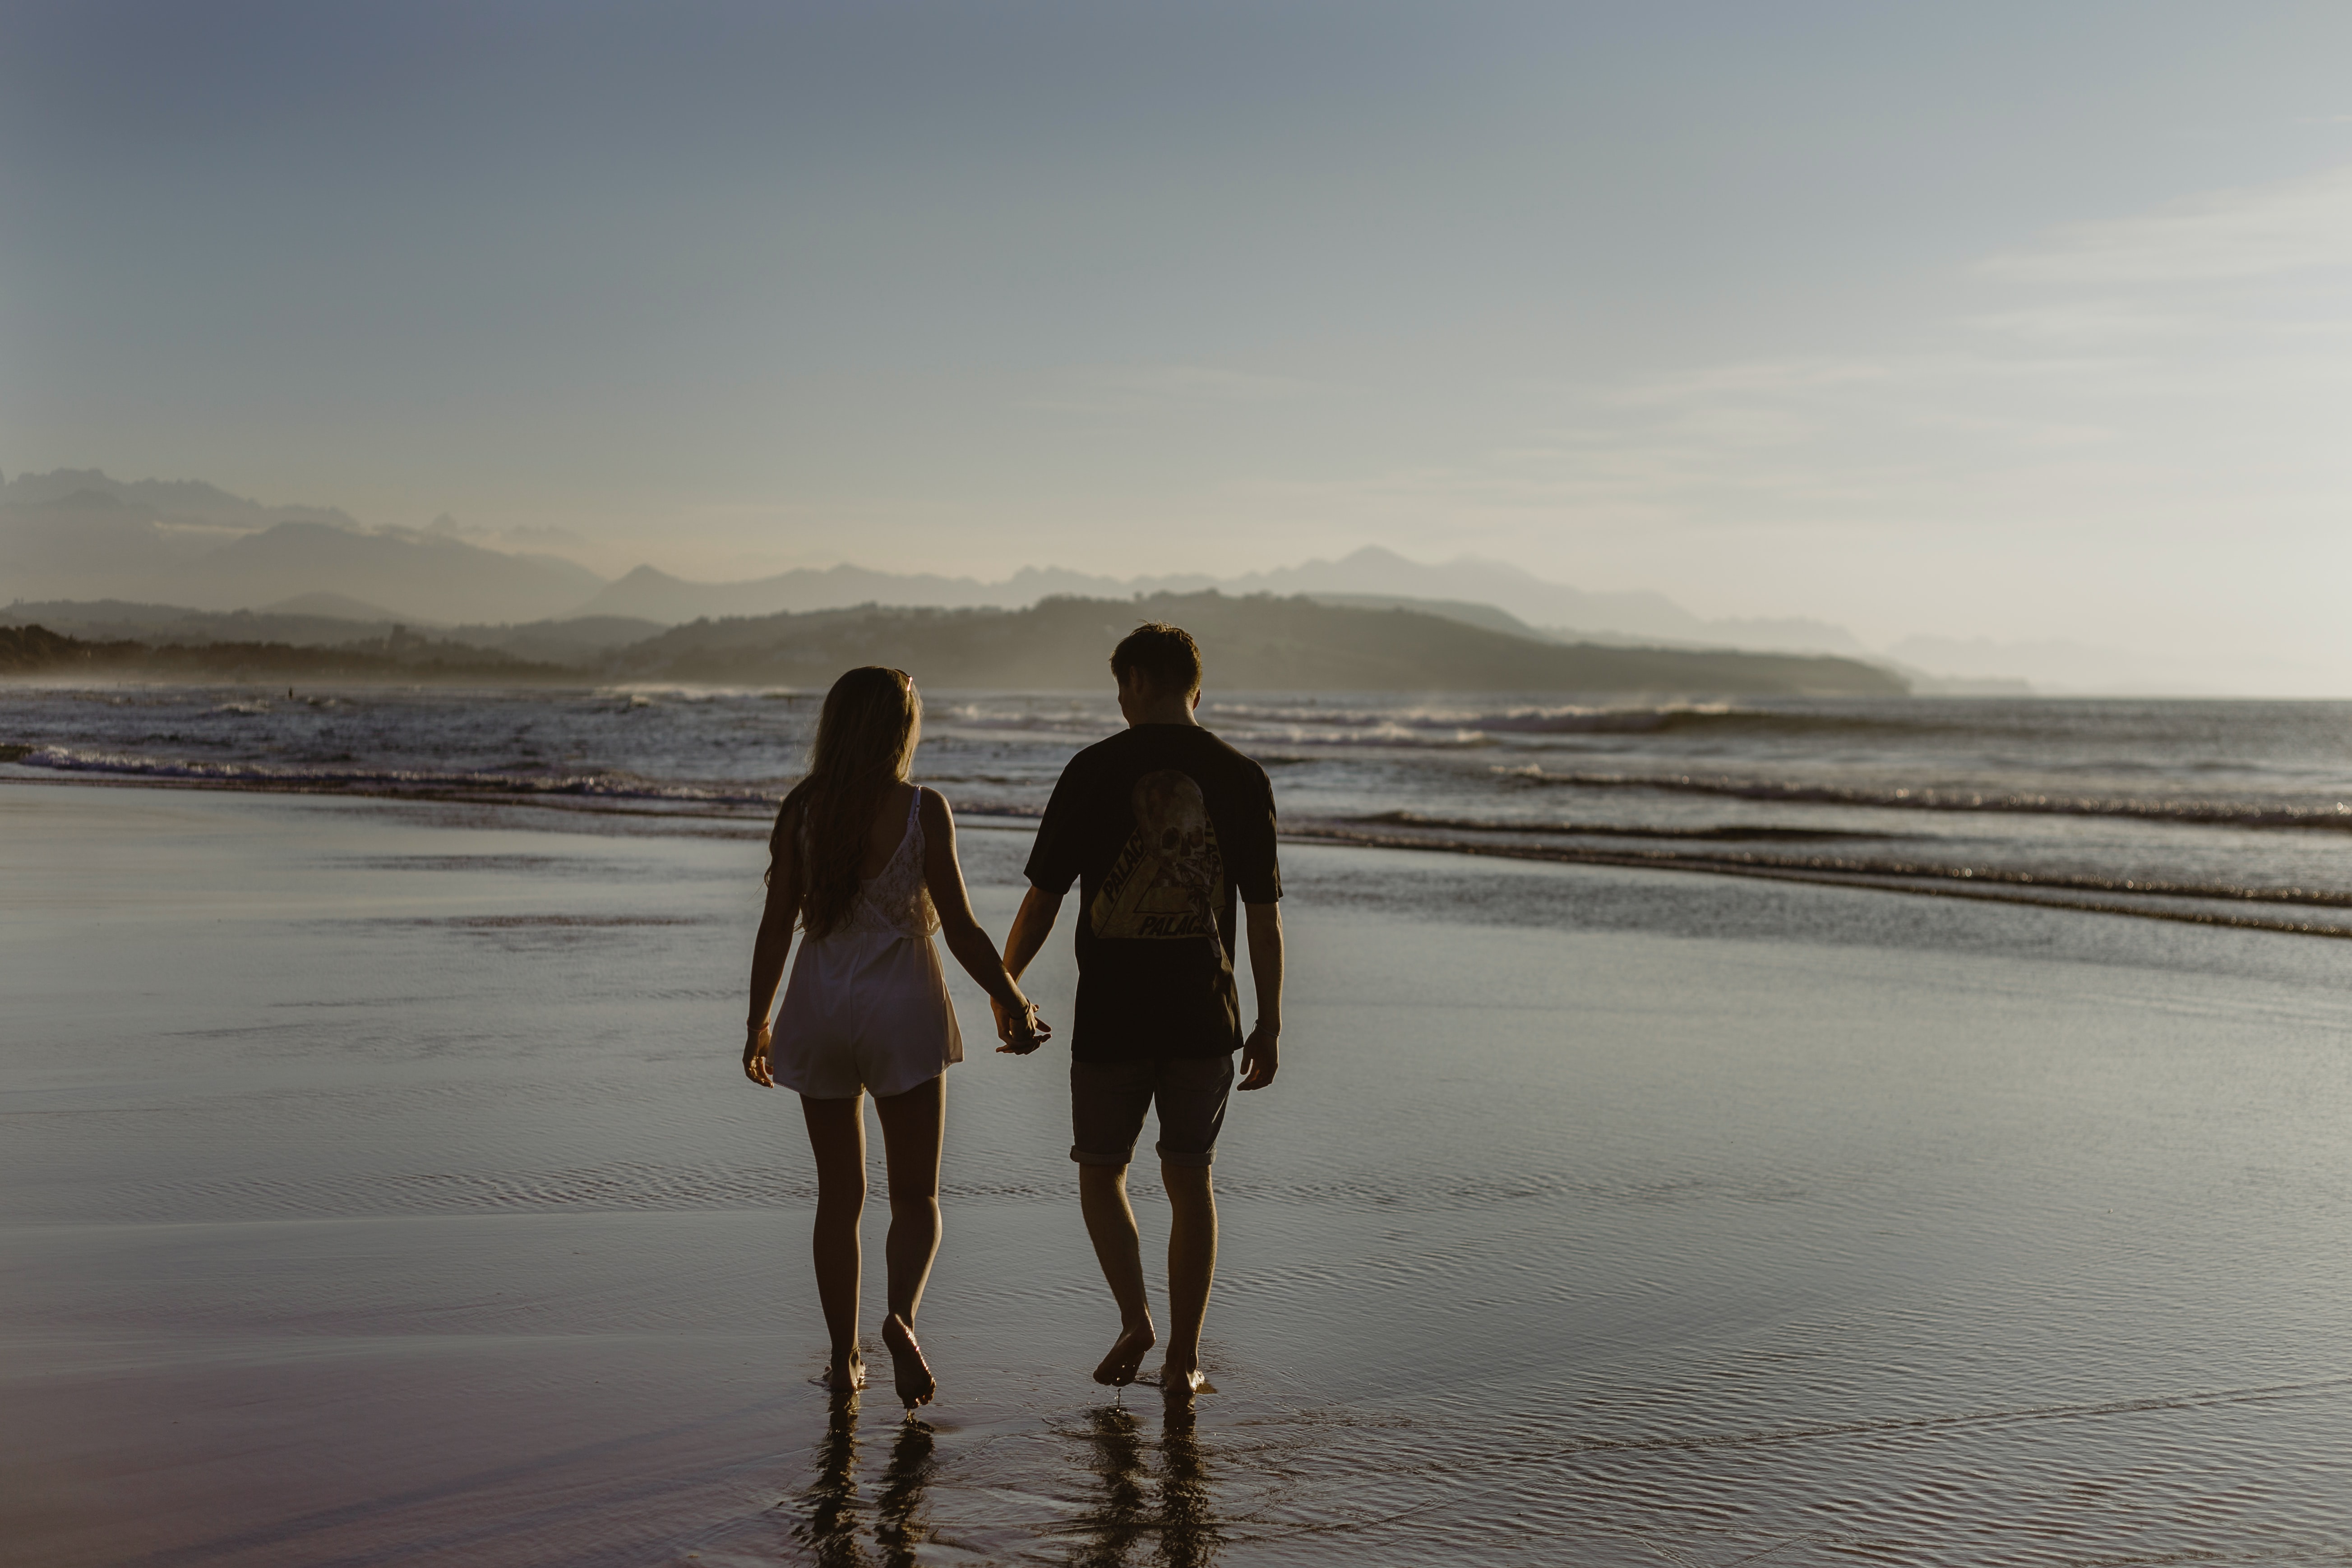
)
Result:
{"points": [[2016, 319]]}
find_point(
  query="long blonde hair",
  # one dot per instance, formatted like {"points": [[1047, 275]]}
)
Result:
{"points": [[865, 741]]}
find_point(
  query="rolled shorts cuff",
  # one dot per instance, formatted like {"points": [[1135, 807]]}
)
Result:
{"points": [[1109, 1102], [1086, 1157]]}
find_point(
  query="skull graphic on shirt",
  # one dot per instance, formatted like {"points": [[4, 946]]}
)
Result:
{"points": [[1169, 880]]}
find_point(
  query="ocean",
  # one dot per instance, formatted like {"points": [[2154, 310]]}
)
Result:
{"points": [[2207, 811]]}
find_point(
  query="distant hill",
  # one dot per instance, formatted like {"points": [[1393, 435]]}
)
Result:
{"points": [[1258, 643], [114, 619], [1368, 576], [1469, 614], [37, 652], [577, 640], [570, 642], [335, 606], [103, 618]]}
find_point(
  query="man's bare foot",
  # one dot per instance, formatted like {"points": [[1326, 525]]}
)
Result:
{"points": [[1182, 1382], [1125, 1358], [847, 1374], [910, 1372]]}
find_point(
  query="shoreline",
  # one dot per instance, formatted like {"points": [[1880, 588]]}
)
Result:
{"points": [[2019, 889]]}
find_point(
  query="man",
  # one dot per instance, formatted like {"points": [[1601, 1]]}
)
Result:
{"points": [[1159, 826]]}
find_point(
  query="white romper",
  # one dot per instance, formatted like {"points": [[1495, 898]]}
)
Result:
{"points": [[867, 1003]]}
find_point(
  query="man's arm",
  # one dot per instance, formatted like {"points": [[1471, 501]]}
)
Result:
{"points": [[1030, 928], [1039, 910], [1261, 1055]]}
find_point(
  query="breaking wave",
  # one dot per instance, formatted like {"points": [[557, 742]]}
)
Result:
{"points": [[1561, 720], [2209, 813]]}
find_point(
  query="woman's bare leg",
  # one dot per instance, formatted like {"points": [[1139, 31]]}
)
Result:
{"points": [[836, 1130], [914, 1126]]}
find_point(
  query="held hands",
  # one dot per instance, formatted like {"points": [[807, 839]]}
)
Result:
{"points": [[756, 1040], [1260, 1056], [1022, 1031]]}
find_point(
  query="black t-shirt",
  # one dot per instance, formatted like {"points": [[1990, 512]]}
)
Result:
{"points": [[1159, 825]]}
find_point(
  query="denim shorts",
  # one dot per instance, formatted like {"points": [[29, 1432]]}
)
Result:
{"points": [[1107, 1100]]}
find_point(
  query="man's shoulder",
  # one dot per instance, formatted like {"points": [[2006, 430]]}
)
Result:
{"points": [[1223, 747], [1141, 744], [1102, 753], [1231, 756]]}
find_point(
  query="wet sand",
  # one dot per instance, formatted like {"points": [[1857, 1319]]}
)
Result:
{"points": [[380, 1185]]}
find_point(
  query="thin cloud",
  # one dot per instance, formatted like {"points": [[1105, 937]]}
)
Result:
{"points": [[2290, 225]]}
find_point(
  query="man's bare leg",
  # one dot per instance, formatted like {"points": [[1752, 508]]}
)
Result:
{"points": [[1119, 1248], [1192, 1268]]}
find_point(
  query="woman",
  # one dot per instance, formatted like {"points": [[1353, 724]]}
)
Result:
{"points": [[865, 864]]}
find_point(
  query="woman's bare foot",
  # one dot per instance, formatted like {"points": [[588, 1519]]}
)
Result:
{"points": [[846, 1374], [1183, 1382], [910, 1372], [1125, 1358]]}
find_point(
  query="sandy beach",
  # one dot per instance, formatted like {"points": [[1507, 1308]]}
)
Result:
{"points": [[380, 1185]]}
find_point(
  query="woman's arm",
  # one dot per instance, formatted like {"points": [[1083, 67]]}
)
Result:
{"points": [[943, 873], [774, 940]]}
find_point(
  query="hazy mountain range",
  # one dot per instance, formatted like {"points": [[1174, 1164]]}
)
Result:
{"points": [[114, 549], [80, 534], [1551, 607]]}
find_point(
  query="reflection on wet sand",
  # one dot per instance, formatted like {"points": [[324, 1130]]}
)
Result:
{"points": [[900, 1526], [829, 1504], [830, 1515], [1188, 1529], [1178, 1519]]}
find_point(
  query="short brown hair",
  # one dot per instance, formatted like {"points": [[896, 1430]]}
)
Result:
{"points": [[1166, 653]]}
